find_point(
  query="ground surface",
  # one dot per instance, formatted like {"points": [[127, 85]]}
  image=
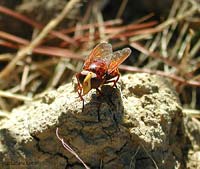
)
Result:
{"points": [[138, 125]]}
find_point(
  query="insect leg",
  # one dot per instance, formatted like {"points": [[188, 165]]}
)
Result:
{"points": [[80, 91], [80, 94], [114, 81], [99, 91]]}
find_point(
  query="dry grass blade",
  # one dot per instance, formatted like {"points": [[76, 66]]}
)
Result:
{"points": [[87, 26], [192, 112], [14, 96], [6, 57], [122, 8], [13, 38], [67, 147], [156, 166]]}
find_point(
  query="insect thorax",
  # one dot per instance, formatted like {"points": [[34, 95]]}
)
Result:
{"points": [[98, 67]]}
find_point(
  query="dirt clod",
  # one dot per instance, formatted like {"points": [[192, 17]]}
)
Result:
{"points": [[139, 125]]}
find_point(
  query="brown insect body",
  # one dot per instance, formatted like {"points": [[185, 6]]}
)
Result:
{"points": [[100, 68]]}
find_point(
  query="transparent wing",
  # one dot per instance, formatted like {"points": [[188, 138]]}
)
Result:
{"points": [[117, 58], [102, 51]]}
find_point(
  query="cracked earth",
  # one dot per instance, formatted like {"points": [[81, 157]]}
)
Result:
{"points": [[139, 125]]}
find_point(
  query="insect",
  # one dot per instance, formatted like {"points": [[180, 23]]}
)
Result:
{"points": [[101, 67]]}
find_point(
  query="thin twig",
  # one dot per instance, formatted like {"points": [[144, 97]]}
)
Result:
{"points": [[100, 20], [87, 26], [24, 78], [6, 57], [195, 49], [133, 160], [156, 166], [192, 112], [144, 18], [14, 96], [67, 147], [122, 8], [13, 38]]}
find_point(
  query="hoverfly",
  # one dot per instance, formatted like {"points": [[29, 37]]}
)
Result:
{"points": [[101, 67]]}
